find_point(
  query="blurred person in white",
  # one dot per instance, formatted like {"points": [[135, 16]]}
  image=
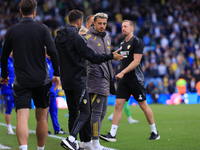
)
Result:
{"points": [[157, 32], [176, 43], [162, 69], [164, 42], [192, 85], [181, 65], [89, 22]]}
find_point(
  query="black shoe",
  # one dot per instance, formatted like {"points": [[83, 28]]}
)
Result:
{"points": [[68, 145], [108, 137], [49, 133], [154, 136], [61, 131]]}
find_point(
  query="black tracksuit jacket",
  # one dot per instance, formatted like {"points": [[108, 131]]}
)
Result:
{"points": [[73, 53], [27, 40]]}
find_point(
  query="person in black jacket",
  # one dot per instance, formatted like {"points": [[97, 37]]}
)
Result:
{"points": [[73, 52], [27, 40]]}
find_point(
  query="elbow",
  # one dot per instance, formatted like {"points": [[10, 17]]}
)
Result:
{"points": [[137, 63]]}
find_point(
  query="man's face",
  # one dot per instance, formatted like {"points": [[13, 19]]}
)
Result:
{"points": [[100, 24], [90, 22], [126, 28]]}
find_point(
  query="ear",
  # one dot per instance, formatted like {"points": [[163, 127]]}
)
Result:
{"points": [[20, 11], [34, 12]]}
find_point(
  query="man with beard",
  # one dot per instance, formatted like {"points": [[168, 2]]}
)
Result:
{"points": [[99, 76], [73, 53]]}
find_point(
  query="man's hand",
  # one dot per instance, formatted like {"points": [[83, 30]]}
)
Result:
{"points": [[117, 56], [119, 76], [56, 79], [4, 81]]}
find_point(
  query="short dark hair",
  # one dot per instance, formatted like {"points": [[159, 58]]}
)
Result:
{"points": [[75, 15], [88, 18], [28, 6], [130, 22]]}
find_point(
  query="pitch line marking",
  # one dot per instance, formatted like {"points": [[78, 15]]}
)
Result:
{"points": [[4, 147], [32, 131]]}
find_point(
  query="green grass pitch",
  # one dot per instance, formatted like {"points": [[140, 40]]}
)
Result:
{"points": [[178, 126]]}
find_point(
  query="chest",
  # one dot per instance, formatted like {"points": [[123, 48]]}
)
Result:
{"points": [[99, 44], [127, 50]]}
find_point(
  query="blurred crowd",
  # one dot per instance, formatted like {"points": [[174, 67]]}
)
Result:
{"points": [[169, 29]]}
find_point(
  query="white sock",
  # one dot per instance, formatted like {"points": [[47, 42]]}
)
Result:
{"points": [[96, 145], [87, 143], [23, 147], [71, 138], [153, 128], [113, 129], [9, 127], [129, 118], [77, 146], [40, 148]]}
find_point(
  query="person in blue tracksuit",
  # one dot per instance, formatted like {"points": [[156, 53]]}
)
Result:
{"points": [[53, 109], [8, 95]]}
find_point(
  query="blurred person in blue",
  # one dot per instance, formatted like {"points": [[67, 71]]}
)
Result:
{"points": [[8, 95], [53, 109]]}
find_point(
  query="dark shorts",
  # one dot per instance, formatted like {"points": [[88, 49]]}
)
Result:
{"points": [[23, 96], [126, 89]]}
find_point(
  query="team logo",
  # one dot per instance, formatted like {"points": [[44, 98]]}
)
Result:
{"points": [[98, 100], [140, 96], [85, 101], [128, 46], [108, 42], [99, 44]]}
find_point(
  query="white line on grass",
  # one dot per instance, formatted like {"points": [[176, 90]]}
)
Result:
{"points": [[32, 131], [4, 147], [179, 121]]}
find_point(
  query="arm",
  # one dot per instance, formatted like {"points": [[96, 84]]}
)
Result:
{"points": [[131, 66], [93, 57], [7, 48], [51, 51]]}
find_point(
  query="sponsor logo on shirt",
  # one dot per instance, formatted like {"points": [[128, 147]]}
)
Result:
{"points": [[99, 44], [124, 53]]}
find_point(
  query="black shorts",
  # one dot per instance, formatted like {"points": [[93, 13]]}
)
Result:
{"points": [[23, 96], [126, 89]]}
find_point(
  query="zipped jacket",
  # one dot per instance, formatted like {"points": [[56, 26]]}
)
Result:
{"points": [[99, 75], [73, 53]]}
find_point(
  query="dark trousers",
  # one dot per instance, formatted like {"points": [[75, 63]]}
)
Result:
{"points": [[79, 113]]}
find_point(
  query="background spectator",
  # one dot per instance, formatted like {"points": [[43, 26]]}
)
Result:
{"points": [[170, 30]]}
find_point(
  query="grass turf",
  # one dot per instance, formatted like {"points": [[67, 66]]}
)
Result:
{"points": [[178, 127]]}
